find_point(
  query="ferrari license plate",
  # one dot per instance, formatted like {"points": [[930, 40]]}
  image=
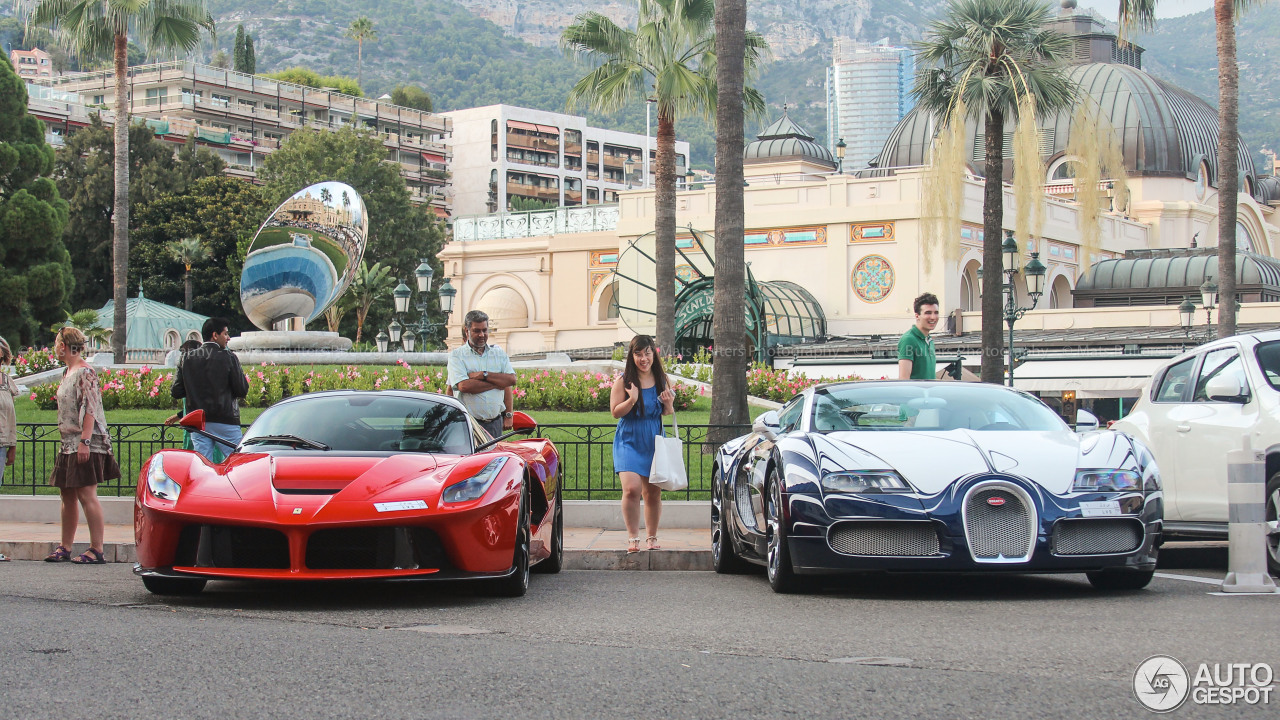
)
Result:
{"points": [[1103, 508], [421, 505]]}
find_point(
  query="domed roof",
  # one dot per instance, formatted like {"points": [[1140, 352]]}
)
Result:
{"points": [[1165, 131], [1175, 268], [1268, 190], [785, 140]]}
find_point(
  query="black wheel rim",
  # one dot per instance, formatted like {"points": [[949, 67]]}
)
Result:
{"points": [[558, 531], [774, 519], [523, 540], [1273, 526], [717, 534]]}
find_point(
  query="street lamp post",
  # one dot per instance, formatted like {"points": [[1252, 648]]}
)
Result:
{"points": [[424, 327], [1034, 271], [1187, 312], [840, 149]]}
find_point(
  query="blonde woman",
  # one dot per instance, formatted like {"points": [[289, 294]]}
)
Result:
{"points": [[86, 459], [8, 418]]}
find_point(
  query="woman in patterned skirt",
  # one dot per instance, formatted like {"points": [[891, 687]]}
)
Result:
{"points": [[86, 458]]}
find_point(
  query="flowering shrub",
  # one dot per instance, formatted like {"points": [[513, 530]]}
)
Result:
{"points": [[32, 361], [538, 390], [762, 382]]}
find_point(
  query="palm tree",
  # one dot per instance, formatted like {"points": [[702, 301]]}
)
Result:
{"points": [[97, 28], [325, 195], [987, 55], [669, 59], [88, 322], [729, 369], [1142, 14], [369, 284], [188, 251], [361, 29]]}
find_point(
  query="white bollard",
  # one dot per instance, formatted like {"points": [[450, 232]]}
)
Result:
{"points": [[1246, 504]]}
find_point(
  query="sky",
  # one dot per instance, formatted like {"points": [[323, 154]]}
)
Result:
{"points": [[1164, 8]]}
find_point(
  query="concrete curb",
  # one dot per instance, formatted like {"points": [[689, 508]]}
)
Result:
{"points": [[607, 514]]}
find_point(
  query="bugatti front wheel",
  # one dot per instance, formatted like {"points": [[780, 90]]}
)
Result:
{"points": [[782, 577], [516, 583], [724, 557], [1120, 580]]}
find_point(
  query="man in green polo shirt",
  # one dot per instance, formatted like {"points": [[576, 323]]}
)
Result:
{"points": [[916, 359]]}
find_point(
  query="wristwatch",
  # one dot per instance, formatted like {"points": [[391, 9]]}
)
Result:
{"points": [[84, 441], [484, 374], [507, 414]]}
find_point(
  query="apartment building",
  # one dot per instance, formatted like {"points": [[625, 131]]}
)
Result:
{"points": [[31, 63], [503, 152], [244, 118], [868, 92]]}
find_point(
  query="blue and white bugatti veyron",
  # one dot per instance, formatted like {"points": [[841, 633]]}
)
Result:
{"points": [[933, 476]]}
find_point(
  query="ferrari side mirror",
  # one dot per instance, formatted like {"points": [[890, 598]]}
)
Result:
{"points": [[521, 421], [193, 420]]}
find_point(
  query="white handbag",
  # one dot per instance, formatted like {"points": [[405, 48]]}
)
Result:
{"points": [[668, 470]]}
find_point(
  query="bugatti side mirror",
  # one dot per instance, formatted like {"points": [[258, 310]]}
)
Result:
{"points": [[1226, 388], [767, 424], [1086, 421]]}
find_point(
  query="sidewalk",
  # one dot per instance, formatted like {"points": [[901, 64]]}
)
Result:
{"points": [[585, 548]]}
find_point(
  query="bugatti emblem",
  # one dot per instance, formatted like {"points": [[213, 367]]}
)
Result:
{"points": [[995, 501]]}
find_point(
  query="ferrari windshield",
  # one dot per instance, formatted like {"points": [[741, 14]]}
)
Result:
{"points": [[934, 406], [362, 422]]}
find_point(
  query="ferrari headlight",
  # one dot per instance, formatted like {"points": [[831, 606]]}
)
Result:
{"points": [[865, 481], [160, 484], [476, 485], [1106, 481]]}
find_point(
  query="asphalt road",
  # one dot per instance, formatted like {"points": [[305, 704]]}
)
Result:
{"points": [[90, 642]]}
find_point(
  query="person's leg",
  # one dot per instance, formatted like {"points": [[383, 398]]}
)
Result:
{"points": [[202, 445], [70, 514], [494, 426], [88, 497], [652, 513], [226, 431], [632, 491]]}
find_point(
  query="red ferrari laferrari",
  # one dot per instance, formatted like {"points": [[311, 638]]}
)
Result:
{"points": [[347, 485]]}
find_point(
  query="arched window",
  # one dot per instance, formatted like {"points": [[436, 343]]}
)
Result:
{"points": [[172, 339], [607, 310], [1060, 294], [1244, 241]]}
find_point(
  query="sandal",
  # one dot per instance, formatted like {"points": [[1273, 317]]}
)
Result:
{"points": [[652, 542], [60, 554], [633, 545], [90, 557]]}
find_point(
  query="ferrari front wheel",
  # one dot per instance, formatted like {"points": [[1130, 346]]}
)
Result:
{"points": [[555, 562], [173, 586], [782, 577], [516, 583]]}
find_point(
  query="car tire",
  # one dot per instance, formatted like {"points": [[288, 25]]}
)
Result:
{"points": [[1120, 579], [516, 583], [173, 586], [782, 577], [1273, 524], [554, 563], [724, 557]]}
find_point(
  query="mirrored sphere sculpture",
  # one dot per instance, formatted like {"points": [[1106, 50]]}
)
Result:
{"points": [[304, 256]]}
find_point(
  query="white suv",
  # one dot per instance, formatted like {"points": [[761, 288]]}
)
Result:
{"points": [[1199, 406]]}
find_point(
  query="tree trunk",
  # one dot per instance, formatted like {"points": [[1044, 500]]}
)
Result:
{"points": [[729, 364], [664, 202], [186, 286], [120, 205], [360, 61], [992, 259], [1228, 172], [360, 316]]}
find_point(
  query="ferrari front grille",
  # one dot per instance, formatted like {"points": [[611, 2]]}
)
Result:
{"points": [[884, 539], [232, 546], [998, 525], [1108, 536], [375, 548]]}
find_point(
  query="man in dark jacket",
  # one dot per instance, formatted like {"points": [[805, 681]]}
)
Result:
{"points": [[210, 379]]}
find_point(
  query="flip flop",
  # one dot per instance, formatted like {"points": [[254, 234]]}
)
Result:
{"points": [[90, 557], [633, 545]]}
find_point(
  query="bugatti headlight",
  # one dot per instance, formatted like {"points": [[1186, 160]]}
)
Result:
{"points": [[476, 485], [865, 481], [160, 484], [1106, 481]]}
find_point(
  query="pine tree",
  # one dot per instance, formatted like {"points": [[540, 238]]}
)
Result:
{"points": [[35, 269], [250, 60]]}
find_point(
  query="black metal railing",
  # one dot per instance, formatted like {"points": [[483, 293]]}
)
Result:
{"points": [[586, 457]]}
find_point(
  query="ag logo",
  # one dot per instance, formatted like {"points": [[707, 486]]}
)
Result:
{"points": [[1161, 683]]}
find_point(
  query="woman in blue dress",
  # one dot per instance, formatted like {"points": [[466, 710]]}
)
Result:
{"points": [[639, 399]]}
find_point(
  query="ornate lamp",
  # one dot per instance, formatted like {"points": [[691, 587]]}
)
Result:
{"points": [[446, 292], [1209, 294], [395, 329], [1187, 314], [424, 273], [410, 340], [401, 295], [979, 274], [840, 149], [381, 341], [1010, 250], [1035, 271]]}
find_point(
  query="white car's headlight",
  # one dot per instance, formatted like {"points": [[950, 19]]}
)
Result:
{"points": [[865, 481], [1106, 481], [160, 484], [476, 485]]}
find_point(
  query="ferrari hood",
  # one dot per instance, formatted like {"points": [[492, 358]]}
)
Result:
{"points": [[324, 475], [931, 461]]}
